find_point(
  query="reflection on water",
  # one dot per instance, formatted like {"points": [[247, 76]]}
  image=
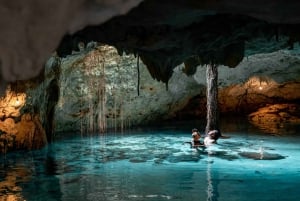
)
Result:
{"points": [[9, 188], [154, 165]]}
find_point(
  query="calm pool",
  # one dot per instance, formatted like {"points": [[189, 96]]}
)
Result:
{"points": [[155, 165]]}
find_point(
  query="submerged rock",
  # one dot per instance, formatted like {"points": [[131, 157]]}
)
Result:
{"points": [[261, 156]]}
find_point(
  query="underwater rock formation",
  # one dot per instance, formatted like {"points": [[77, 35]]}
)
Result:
{"points": [[261, 156]]}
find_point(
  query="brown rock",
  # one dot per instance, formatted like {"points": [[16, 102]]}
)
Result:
{"points": [[27, 134]]}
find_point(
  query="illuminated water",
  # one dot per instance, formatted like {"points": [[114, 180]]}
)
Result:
{"points": [[154, 165]]}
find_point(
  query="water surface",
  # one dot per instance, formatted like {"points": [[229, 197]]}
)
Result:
{"points": [[154, 165]]}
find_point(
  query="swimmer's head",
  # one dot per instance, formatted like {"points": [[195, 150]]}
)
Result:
{"points": [[214, 134]]}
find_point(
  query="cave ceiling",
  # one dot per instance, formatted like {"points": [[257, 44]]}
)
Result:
{"points": [[167, 33]]}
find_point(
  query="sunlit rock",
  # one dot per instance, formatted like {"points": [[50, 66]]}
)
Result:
{"points": [[19, 130], [257, 81], [11, 103], [28, 133]]}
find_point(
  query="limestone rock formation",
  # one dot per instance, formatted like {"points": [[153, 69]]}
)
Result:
{"points": [[28, 133], [26, 110], [99, 90], [257, 81], [95, 90]]}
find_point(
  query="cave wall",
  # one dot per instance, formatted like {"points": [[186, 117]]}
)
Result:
{"points": [[25, 118], [258, 81], [99, 90], [72, 95], [19, 130], [96, 89]]}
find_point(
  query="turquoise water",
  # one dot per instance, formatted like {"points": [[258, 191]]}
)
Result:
{"points": [[155, 165]]}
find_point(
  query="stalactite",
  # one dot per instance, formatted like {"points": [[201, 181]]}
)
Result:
{"points": [[127, 120], [121, 118], [102, 98], [138, 71], [95, 94], [115, 112], [122, 91], [81, 118], [212, 97], [90, 118]]}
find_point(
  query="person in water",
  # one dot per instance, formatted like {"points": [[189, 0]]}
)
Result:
{"points": [[212, 137], [196, 136]]}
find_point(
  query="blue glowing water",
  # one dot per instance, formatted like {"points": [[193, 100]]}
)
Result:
{"points": [[155, 165]]}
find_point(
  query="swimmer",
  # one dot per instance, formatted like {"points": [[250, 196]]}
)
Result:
{"points": [[195, 141], [212, 137], [196, 137]]}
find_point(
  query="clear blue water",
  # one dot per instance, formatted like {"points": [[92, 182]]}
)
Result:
{"points": [[155, 165]]}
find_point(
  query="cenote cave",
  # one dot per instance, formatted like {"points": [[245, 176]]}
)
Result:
{"points": [[99, 99]]}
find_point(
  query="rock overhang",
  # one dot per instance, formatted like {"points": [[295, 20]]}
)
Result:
{"points": [[159, 30], [167, 33]]}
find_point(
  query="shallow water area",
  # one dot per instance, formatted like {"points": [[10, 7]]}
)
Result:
{"points": [[155, 165]]}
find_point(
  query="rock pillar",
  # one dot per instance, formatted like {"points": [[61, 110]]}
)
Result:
{"points": [[212, 98]]}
